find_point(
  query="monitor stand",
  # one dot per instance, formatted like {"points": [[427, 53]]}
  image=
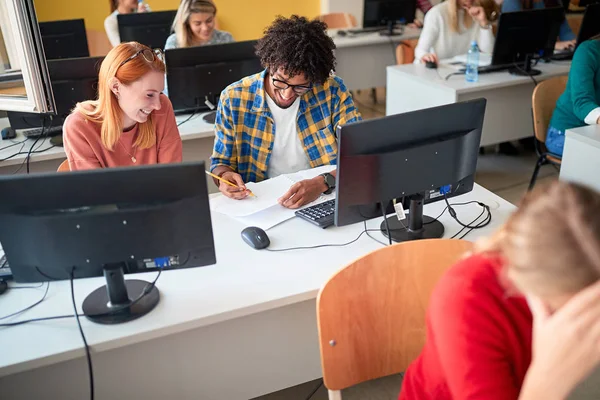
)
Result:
{"points": [[416, 226], [389, 31], [210, 117], [112, 304], [526, 70]]}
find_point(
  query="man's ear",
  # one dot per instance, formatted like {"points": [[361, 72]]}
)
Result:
{"points": [[114, 84]]}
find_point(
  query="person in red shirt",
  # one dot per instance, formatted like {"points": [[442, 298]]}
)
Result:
{"points": [[520, 317], [131, 122]]}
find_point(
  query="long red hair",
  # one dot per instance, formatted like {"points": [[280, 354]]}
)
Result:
{"points": [[106, 110]]}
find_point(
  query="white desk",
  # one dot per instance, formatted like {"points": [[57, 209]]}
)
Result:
{"points": [[197, 137], [239, 329], [508, 113], [581, 156], [363, 58]]}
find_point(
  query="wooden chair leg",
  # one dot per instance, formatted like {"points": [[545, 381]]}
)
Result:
{"points": [[541, 161], [334, 394]]}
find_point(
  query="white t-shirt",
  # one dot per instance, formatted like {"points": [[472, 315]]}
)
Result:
{"points": [[288, 153], [437, 34]]}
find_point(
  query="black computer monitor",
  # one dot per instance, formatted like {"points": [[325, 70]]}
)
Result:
{"points": [[196, 75], [420, 156], [73, 80], [524, 36], [151, 28], [64, 39], [586, 3], [107, 222], [590, 23], [386, 13]]}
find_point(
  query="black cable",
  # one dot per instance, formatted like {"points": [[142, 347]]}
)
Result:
{"points": [[452, 74], [4, 262], [310, 396], [387, 227], [318, 246], [454, 216], [29, 307], [535, 83], [17, 153], [87, 347], [13, 144], [188, 118], [42, 136]]}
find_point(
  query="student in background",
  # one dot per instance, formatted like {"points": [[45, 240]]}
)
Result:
{"points": [[451, 26], [284, 119], [424, 6], [579, 105], [131, 123], [566, 37], [519, 318], [194, 25], [111, 25]]}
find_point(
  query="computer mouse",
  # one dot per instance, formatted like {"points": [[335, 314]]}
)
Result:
{"points": [[342, 33], [430, 64], [256, 237], [3, 286], [8, 133]]}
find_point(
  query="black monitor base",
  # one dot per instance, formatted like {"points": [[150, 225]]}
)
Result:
{"points": [[416, 226], [210, 117], [431, 229], [114, 303], [522, 72]]}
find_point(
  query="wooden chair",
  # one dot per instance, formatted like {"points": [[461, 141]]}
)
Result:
{"points": [[543, 102], [338, 20], [371, 314], [405, 51], [64, 166]]}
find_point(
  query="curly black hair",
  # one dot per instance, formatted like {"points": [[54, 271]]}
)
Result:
{"points": [[299, 46]]}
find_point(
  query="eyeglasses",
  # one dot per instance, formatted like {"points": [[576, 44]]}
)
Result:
{"points": [[298, 89], [149, 56]]}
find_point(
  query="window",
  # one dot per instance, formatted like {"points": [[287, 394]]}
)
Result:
{"points": [[24, 81]]}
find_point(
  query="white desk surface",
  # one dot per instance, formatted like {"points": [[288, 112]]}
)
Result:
{"points": [[243, 282], [366, 39], [589, 134], [195, 128], [487, 81]]}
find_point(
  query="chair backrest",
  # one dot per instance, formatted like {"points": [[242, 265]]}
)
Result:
{"points": [[64, 166], [338, 20], [543, 102], [98, 43], [371, 314], [405, 51]]}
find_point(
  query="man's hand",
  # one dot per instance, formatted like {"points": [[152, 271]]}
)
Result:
{"points": [[303, 192], [565, 45], [233, 192], [478, 13]]}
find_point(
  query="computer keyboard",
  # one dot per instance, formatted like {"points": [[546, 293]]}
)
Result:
{"points": [[562, 55], [321, 214], [37, 132]]}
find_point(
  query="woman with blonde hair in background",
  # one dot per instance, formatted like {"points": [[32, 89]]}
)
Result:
{"points": [[131, 122], [519, 318], [451, 26], [194, 25], [111, 25]]}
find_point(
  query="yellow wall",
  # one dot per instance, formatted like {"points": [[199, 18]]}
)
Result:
{"points": [[245, 19]]}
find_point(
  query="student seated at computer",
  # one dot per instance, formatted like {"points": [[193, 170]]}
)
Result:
{"points": [[131, 122], [579, 105], [451, 26], [111, 26], [518, 318], [424, 6], [194, 25], [284, 119], [566, 37]]}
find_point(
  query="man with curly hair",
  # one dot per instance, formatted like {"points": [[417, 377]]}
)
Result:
{"points": [[284, 119]]}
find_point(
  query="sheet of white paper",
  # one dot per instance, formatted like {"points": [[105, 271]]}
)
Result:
{"points": [[484, 60]]}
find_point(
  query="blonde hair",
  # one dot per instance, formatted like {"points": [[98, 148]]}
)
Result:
{"points": [[551, 245], [490, 7], [181, 24], [106, 110]]}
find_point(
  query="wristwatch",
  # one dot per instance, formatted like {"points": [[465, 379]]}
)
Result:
{"points": [[329, 182]]}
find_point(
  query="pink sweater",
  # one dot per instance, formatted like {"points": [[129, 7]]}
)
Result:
{"points": [[85, 150]]}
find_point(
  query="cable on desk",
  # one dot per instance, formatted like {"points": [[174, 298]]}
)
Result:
{"points": [[87, 347], [387, 227], [13, 144], [452, 74], [188, 118], [29, 307]]}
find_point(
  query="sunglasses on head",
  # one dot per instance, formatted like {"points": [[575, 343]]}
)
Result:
{"points": [[149, 56]]}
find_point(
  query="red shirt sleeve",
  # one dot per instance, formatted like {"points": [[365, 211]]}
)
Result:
{"points": [[468, 322]]}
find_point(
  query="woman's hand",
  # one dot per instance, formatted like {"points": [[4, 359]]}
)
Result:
{"points": [[566, 345], [478, 14], [431, 57], [416, 24], [565, 45]]}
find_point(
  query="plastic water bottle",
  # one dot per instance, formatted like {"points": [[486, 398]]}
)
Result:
{"points": [[471, 72]]}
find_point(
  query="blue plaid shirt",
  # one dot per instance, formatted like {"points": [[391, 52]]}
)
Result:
{"points": [[244, 134]]}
